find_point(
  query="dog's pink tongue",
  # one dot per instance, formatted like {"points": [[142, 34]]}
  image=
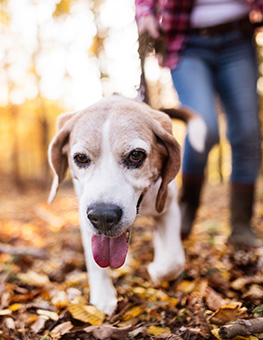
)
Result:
{"points": [[109, 251]]}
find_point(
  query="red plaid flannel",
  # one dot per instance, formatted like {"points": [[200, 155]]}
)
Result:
{"points": [[174, 19]]}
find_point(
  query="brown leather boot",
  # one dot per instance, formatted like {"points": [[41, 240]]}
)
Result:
{"points": [[189, 202], [241, 206]]}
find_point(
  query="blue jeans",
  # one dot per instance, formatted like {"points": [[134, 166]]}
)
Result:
{"points": [[223, 66]]}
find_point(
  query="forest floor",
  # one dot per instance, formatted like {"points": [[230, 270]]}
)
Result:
{"points": [[44, 286]]}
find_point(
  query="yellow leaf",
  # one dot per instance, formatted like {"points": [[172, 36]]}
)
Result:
{"points": [[87, 313], [31, 318], [155, 331], [186, 286], [15, 307], [215, 333], [132, 313]]}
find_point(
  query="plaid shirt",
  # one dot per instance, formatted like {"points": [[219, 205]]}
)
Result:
{"points": [[174, 19]]}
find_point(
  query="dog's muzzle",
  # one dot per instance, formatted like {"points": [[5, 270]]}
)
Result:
{"points": [[109, 247], [104, 216]]}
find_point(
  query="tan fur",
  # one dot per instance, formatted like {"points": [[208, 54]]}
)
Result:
{"points": [[132, 118], [108, 132]]}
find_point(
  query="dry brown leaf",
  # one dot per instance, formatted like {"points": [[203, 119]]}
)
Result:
{"points": [[228, 313], [240, 283], [137, 331], [254, 292], [87, 313], [39, 324], [108, 332], [213, 299], [61, 329], [34, 279]]}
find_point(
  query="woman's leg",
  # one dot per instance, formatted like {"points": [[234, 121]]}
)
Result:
{"points": [[237, 78], [193, 80], [194, 83]]}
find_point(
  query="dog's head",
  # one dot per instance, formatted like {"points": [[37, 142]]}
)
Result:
{"points": [[115, 150]]}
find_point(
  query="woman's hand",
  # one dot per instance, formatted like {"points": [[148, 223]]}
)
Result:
{"points": [[149, 24]]}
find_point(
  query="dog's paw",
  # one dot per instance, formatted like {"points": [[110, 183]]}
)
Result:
{"points": [[106, 307], [160, 272], [104, 299]]}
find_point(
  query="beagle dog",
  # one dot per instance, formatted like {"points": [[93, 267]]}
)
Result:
{"points": [[123, 158]]}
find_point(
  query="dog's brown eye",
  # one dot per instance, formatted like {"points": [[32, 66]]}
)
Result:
{"points": [[135, 158], [81, 160]]}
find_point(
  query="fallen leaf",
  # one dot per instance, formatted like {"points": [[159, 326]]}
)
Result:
{"points": [[87, 313], [109, 332], [133, 313], [60, 300], [254, 292], [155, 330], [168, 336], [4, 312], [76, 278], [34, 279], [186, 286], [137, 331], [39, 324], [228, 313], [213, 299], [48, 314], [215, 333], [240, 283], [61, 329], [10, 324], [15, 307]]}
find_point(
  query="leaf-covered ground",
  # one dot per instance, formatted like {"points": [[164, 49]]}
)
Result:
{"points": [[44, 289]]}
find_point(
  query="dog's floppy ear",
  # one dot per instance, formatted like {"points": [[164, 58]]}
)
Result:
{"points": [[57, 157], [171, 166]]}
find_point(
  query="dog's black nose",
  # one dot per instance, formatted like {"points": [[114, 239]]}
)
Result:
{"points": [[104, 216]]}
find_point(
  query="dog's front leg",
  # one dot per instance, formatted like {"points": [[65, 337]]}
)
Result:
{"points": [[169, 255], [102, 292]]}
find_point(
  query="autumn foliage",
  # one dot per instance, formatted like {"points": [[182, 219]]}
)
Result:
{"points": [[44, 288], [44, 291]]}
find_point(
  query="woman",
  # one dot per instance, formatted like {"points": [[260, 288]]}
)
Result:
{"points": [[210, 51]]}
